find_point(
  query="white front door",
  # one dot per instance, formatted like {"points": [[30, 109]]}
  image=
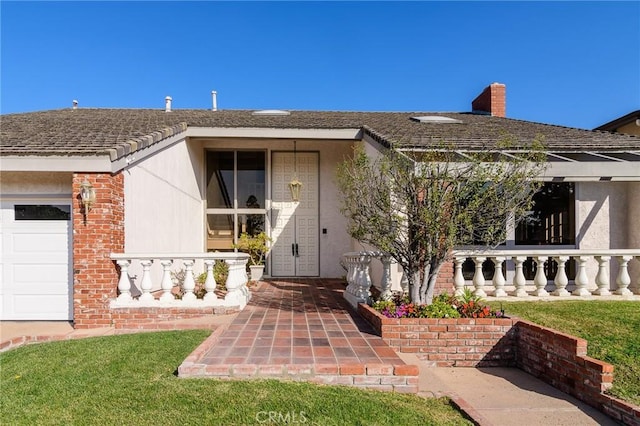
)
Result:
{"points": [[295, 227], [35, 273]]}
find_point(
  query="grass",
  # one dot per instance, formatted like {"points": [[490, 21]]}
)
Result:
{"points": [[130, 379], [612, 329]]}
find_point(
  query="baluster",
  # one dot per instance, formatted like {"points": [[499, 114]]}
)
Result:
{"points": [[146, 285], [561, 279], [124, 283], [478, 277], [210, 281], [166, 284], [540, 280], [602, 278], [519, 280], [623, 280], [365, 278], [189, 283], [582, 280], [498, 277], [385, 282], [237, 291], [458, 278], [353, 279]]}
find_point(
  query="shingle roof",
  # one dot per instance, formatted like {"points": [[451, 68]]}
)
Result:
{"points": [[99, 131]]}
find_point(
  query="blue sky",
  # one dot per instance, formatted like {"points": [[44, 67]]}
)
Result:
{"points": [[570, 63]]}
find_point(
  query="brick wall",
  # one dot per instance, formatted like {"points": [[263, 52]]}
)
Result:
{"points": [[95, 277], [449, 342], [159, 318], [561, 360], [556, 358]]}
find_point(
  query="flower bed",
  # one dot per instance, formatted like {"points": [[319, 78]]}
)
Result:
{"points": [[448, 342]]}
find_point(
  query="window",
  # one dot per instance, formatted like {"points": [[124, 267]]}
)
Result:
{"points": [[235, 196], [42, 212], [552, 221]]}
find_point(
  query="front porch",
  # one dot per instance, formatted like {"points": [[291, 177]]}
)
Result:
{"points": [[301, 329]]}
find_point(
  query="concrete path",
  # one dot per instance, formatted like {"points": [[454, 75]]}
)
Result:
{"points": [[506, 396]]}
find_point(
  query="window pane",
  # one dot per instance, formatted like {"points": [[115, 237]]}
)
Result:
{"points": [[553, 218], [219, 231], [219, 179], [252, 224], [42, 212], [251, 179]]}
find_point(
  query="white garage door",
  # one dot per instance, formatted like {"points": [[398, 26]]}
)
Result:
{"points": [[35, 274]]}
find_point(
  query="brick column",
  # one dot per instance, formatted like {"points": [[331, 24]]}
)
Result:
{"points": [[444, 281], [95, 277]]}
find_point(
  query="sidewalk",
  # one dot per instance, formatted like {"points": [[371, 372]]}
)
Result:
{"points": [[17, 333]]}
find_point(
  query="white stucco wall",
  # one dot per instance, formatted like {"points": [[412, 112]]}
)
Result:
{"points": [[35, 184], [336, 241], [633, 230], [163, 202], [602, 221], [163, 207], [601, 215]]}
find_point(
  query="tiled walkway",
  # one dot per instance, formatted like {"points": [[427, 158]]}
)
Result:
{"points": [[302, 330]]}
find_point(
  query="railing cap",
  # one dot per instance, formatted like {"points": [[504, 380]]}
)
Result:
{"points": [[546, 252], [197, 256]]}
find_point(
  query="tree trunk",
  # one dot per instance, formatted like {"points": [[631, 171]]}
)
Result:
{"points": [[432, 283], [424, 284], [414, 286]]}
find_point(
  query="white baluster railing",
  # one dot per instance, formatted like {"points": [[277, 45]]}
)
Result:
{"points": [[594, 273], [358, 267], [238, 294]]}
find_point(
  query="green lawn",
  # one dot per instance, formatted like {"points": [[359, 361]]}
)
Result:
{"points": [[612, 329], [130, 379]]}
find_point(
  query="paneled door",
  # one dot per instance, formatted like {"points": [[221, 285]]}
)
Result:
{"points": [[295, 228]]}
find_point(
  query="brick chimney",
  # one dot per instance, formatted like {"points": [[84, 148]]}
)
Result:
{"points": [[493, 100]]}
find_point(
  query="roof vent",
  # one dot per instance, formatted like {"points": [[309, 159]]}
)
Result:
{"points": [[436, 119], [214, 100], [75, 104], [271, 112], [167, 104]]}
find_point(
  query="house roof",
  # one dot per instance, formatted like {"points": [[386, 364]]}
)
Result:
{"points": [[613, 125], [91, 132]]}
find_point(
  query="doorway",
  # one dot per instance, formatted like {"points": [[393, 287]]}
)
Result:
{"points": [[295, 248]]}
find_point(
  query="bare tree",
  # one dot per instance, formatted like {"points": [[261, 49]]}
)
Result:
{"points": [[418, 206]]}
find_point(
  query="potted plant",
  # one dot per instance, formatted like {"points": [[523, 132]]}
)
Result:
{"points": [[256, 247]]}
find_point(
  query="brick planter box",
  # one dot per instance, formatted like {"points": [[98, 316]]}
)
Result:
{"points": [[556, 358], [449, 342]]}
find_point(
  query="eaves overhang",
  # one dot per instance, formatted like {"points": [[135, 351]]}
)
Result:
{"points": [[111, 160], [274, 133], [623, 165], [124, 155]]}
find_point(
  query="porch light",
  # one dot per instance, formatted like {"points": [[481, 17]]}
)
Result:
{"points": [[87, 196], [295, 185]]}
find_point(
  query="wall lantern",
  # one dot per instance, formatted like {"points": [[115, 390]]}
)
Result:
{"points": [[87, 196], [295, 185]]}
